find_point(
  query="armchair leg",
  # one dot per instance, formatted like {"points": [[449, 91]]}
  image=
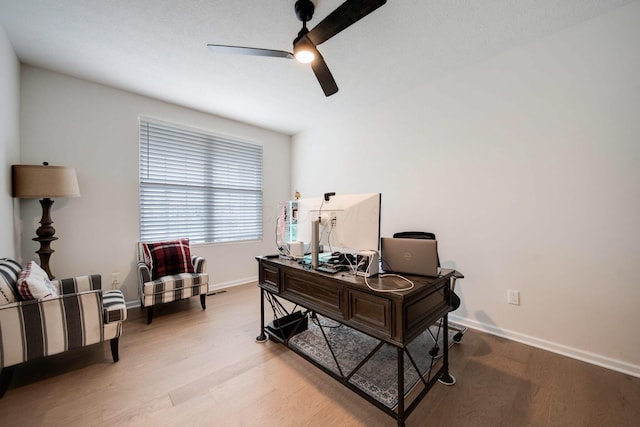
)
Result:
{"points": [[149, 315], [5, 379], [114, 349], [203, 301]]}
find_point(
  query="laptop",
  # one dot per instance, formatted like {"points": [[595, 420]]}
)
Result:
{"points": [[409, 256]]}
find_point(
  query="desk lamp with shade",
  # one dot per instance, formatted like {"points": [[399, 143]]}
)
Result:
{"points": [[44, 182]]}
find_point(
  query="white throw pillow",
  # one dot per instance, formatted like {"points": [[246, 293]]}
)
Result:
{"points": [[34, 283]]}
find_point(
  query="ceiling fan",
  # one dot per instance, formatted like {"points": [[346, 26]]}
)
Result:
{"points": [[304, 45]]}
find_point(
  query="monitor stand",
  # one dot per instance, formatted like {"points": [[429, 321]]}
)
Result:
{"points": [[315, 242]]}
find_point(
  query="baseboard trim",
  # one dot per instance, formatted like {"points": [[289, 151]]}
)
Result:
{"points": [[574, 353], [218, 286]]}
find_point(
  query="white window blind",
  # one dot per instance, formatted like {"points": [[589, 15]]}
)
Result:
{"points": [[198, 185]]}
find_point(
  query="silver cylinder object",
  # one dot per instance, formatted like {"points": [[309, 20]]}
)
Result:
{"points": [[315, 243]]}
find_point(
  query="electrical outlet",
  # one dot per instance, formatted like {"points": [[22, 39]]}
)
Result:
{"points": [[513, 297]]}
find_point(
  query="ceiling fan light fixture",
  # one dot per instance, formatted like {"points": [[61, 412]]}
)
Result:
{"points": [[303, 50], [304, 56]]}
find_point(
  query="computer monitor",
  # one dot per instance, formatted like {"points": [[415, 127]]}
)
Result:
{"points": [[348, 223]]}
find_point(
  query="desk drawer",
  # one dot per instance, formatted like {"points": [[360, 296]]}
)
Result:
{"points": [[322, 295], [370, 312], [269, 276]]}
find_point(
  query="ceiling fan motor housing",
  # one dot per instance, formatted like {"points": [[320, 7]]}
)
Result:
{"points": [[304, 10]]}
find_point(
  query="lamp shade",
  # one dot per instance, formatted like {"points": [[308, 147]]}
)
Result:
{"points": [[35, 181]]}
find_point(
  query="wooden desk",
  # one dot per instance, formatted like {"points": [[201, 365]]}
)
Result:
{"points": [[395, 318]]}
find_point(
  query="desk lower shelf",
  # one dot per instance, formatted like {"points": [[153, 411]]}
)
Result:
{"points": [[345, 349]]}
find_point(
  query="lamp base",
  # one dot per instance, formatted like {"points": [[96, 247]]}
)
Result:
{"points": [[45, 236]]}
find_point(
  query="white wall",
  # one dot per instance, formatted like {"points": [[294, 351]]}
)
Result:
{"points": [[9, 146], [527, 168], [94, 128]]}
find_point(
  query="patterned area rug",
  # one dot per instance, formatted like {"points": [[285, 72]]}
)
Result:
{"points": [[378, 376]]}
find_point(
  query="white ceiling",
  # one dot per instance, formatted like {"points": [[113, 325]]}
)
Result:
{"points": [[158, 48]]}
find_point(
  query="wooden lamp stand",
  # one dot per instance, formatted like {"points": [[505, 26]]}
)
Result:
{"points": [[45, 236]]}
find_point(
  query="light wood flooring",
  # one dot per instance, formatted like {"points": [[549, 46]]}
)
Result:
{"points": [[202, 368]]}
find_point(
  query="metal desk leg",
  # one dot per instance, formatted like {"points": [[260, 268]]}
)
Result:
{"points": [[446, 378], [400, 387], [262, 337]]}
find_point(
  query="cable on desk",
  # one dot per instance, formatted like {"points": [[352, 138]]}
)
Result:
{"points": [[411, 284]]}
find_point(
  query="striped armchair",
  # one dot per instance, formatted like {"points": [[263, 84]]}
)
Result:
{"points": [[80, 315], [167, 272]]}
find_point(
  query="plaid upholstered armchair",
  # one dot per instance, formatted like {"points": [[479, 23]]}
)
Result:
{"points": [[168, 272], [40, 318]]}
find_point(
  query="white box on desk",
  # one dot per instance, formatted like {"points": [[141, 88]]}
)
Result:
{"points": [[369, 261]]}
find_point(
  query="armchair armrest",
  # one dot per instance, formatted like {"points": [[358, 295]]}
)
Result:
{"points": [[199, 264], [115, 308], [144, 273], [78, 284]]}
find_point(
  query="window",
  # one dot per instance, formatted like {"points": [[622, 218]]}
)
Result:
{"points": [[198, 185]]}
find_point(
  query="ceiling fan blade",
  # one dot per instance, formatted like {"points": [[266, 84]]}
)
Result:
{"points": [[321, 70], [345, 15], [253, 51]]}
